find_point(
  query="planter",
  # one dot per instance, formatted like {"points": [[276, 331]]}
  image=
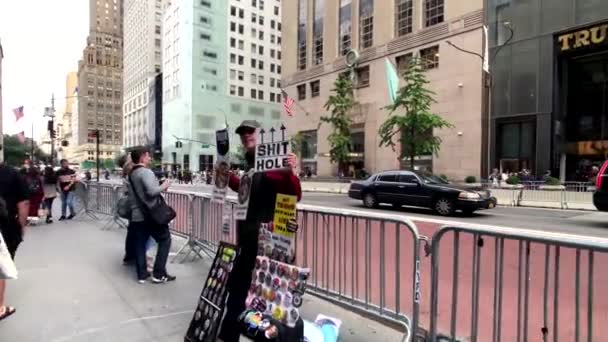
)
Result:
{"points": [[552, 187]]}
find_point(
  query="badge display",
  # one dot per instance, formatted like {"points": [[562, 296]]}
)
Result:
{"points": [[221, 170], [240, 209], [210, 307]]}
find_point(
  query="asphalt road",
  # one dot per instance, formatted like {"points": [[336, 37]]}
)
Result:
{"points": [[589, 223]]}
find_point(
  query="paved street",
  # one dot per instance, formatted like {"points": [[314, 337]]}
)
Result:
{"points": [[563, 221]]}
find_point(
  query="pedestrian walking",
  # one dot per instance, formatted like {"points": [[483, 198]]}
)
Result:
{"points": [[35, 189], [14, 195], [49, 184], [66, 181], [264, 188], [144, 191]]}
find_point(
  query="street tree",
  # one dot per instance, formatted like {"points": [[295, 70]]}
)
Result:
{"points": [[296, 142], [15, 152], [411, 122], [339, 105]]}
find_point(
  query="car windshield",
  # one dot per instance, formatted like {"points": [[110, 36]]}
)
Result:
{"points": [[432, 179]]}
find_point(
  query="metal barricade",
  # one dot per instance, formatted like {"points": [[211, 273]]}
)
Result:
{"points": [[517, 285], [366, 262]]}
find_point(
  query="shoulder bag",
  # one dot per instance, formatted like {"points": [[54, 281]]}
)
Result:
{"points": [[160, 212]]}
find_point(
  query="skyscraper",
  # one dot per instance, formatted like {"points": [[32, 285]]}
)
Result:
{"points": [[221, 64], [65, 121], [100, 82], [142, 62]]}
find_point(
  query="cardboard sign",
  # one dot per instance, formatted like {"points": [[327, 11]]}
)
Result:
{"points": [[272, 150], [284, 214], [210, 305], [240, 209], [221, 170]]}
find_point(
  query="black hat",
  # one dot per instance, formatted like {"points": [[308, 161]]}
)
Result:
{"points": [[247, 124]]}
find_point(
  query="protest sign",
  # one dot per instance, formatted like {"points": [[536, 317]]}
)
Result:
{"points": [[240, 209], [272, 150], [222, 167]]}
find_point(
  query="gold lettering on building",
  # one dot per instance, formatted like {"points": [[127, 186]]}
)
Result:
{"points": [[585, 37]]}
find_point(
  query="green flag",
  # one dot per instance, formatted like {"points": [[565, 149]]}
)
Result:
{"points": [[392, 78]]}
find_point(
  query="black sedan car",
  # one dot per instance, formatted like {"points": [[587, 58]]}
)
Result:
{"points": [[420, 190]]}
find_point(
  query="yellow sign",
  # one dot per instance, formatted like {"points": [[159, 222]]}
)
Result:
{"points": [[590, 36], [284, 211]]}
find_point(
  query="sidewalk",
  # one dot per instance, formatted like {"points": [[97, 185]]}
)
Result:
{"points": [[72, 286]]}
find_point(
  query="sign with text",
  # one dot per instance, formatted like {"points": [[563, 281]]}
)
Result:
{"points": [[272, 150], [284, 213]]}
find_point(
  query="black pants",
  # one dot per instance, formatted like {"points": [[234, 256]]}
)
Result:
{"points": [[238, 284], [130, 244], [160, 233], [48, 205]]}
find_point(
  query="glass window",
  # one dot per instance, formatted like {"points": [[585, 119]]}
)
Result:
{"points": [[260, 95], [232, 42], [301, 92], [254, 62], [253, 79], [272, 97], [232, 74], [276, 10], [254, 18], [403, 61], [254, 48], [241, 75], [362, 76], [241, 13], [403, 17], [387, 178], [261, 65], [241, 91], [407, 178], [317, 29], [241, 60], [241, 44], [261, 50], [302, 19], [315, 88], [232, 58], [241, 29], [272, 24], [366, 23], [233, 11], [232, 27], [261, 80], [430, 57], [433, 12], [524, 69], [254, 94], [345, 26]]}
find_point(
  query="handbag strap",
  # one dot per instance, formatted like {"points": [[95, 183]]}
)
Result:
{"points": [[140, 203]]}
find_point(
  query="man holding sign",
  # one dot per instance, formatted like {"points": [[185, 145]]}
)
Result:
{"points": [[264, 187]]}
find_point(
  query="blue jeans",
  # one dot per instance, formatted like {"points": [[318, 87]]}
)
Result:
{"points": [[67, 200]]}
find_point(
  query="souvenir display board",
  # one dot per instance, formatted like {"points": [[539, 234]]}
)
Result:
{"points": [[210, 308]]}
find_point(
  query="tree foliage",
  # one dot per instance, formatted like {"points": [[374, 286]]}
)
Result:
{"points": [[339, 105], [410, 121], [15, 152], [296, 142]]}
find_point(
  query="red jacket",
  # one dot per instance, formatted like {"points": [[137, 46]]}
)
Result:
{"points": [[283, 182]]}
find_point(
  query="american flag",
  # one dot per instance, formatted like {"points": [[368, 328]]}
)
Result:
{"points": [[21, 136], [288, 103], [18, 113]]}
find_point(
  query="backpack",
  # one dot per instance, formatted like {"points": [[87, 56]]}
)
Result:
{"points": [[123, 206]]}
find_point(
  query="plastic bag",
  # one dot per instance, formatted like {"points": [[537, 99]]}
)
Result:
{"points": [[8, 270]]}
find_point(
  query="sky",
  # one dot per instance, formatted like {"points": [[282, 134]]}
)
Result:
{"points": [[42, 41]]}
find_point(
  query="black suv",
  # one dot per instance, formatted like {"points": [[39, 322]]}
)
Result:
{"points": [[420, 190]]}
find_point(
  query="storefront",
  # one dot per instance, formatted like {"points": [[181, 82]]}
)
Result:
{"points": [[549, 86]]}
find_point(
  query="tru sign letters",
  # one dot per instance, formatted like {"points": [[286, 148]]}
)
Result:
{"points": [[585, 37]]}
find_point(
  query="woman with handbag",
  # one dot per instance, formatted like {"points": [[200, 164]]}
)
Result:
{"points": [[49, 185], [150, 217], [36, 191]]}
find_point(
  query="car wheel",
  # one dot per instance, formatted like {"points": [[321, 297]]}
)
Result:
{"points": [[369, 200], [444, 206]]}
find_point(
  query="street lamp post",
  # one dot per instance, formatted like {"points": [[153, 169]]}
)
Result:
{"points": [[488, 83]]}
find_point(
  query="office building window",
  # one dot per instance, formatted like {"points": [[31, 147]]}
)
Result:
{"points": [[276, 10], [232, 42], [345, 26], [261, 20], [278, 97], [430, 57], [241, 13], [261, 35], [301, 92], [232, 27], [272, 82], [366, 23], [272, 53], [254, 33], [317, 28], [278, 69], [315, 88], [254, 48], [261, 65], [272, 66], [205, 3], [261, 7], [254, 18], [254, 3], [260, 95], [362, 76], [205, 36], [254, 78], [272, 24], [403, 17], [241, 60], [210, 54], [241, 29], [272, 38], [205, 20], [233, 11], [241, 44], [232, 89], [261, 80], [403, 61], [272, 97], [261, 50], [254, 62], [232, 74], [232, 58], [433, 12], [241, 75], [279, 55], [302, 19], [241, 91], [254, 94]]}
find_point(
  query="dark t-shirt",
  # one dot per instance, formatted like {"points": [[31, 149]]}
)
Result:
{"points": [[65, 176], [13, 189]]}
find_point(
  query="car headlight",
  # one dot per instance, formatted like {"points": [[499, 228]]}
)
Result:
{"points": [[469, 195]]}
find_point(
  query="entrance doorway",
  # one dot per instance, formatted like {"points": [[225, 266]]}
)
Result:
{"points": [[586, 115]]}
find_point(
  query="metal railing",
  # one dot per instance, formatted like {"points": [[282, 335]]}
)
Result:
{"points": [[517, 285]]}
